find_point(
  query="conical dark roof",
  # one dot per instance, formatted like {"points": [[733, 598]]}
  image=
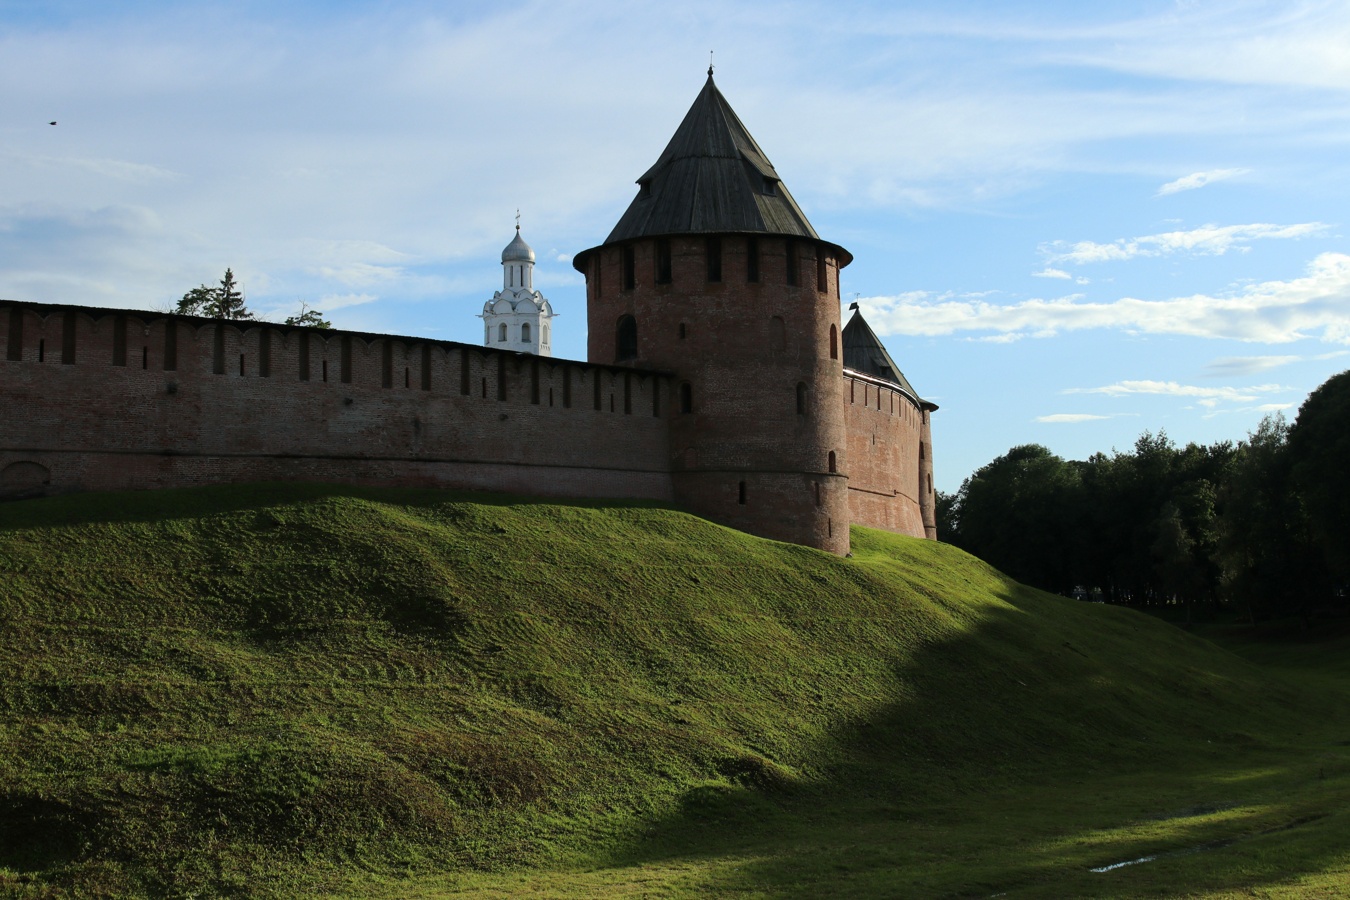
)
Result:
{"points": [[863, 352], [712, 178]]}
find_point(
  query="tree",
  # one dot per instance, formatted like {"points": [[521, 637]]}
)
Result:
{"points": [[1018, 513], [223, 302], [1319, 449], [309, 318]]}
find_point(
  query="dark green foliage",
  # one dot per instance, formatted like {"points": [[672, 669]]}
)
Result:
{"points": [[1263, 526], [1319, 448], [310, 318], [223, 302]]}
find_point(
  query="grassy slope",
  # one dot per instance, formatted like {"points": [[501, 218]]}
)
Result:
{"points": [[258, 690]]}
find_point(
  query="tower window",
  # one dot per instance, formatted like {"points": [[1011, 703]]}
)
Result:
{"points": [[740, 491], [625, 339], [14, 352], [686, 398], [751, 260], [501, 332], [119, 341], [713, 251], [801, 398], [68, 339], [683, 331], [834, 342], [833, 463], [770, 186], [790, 256], [525, 332], [629, 268], [663, 274]]}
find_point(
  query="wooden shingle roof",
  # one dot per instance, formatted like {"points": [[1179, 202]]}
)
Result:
{"points": [[864, 352], [712, 178]]}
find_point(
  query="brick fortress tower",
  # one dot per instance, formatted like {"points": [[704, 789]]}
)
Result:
{"points": [[715, 275]]}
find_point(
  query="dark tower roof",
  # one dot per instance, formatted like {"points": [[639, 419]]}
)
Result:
{"points": [[713, 178], [863, 352]]}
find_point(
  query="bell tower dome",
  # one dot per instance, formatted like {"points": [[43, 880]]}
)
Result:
{"points": [[518, 317], [714, 274]]}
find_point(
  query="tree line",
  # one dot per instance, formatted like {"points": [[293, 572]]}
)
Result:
{"points": [[1261, 526]]}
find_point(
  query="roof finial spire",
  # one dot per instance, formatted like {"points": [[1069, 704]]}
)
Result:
{"points": [[710, 65], [517, 220]]}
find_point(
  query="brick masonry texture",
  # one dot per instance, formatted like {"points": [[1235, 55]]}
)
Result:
{"points": [[778, 440]]}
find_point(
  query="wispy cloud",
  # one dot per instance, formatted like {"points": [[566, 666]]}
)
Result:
{"points": [[1231, 366], [1204, 396], [1048, 272], [1199, 180], [1207, 240], [1316, 305], [1058, 418]]}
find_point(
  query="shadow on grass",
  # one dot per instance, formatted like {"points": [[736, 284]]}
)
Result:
{"points": [[1075, 759]]}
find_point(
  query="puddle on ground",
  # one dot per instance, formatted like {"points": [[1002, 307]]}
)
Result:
{"points": [[1212, 845]]}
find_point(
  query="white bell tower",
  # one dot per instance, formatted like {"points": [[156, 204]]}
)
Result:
{"points": [[518, 317]]}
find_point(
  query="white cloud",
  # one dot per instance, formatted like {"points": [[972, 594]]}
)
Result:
{"points": [[1199, 180], [1048, 272], [1206, 396], [1207, 240], [1276, 312], [1069, 417]]}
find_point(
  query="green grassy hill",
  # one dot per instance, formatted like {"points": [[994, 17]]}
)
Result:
{"points": [[285, 689]]}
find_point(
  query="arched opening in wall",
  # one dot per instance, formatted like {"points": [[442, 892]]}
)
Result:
{"points": [[833, 463], [407, 377], [740, 493], [241, 364], [42, 349], [218, 351], [501, 333], [686, 398], [663, 267], [524, 332], [817, 487], [777, 335], [922, 452], [325, 370], [834, 342], [684, 332], [68, 339], [119, 354], [801, 398], [24, 479], [629, 268], [14, 349], [712, 250], [625, 339]]}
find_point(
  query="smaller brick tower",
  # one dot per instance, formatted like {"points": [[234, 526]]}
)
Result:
{"points": [[715, 275]]}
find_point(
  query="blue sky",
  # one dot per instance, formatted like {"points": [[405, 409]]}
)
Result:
{"points": [[1070, 222]]}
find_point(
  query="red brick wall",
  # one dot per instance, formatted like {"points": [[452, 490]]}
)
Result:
{"points": [[742, 347], [93, 425], [885, 428]]}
